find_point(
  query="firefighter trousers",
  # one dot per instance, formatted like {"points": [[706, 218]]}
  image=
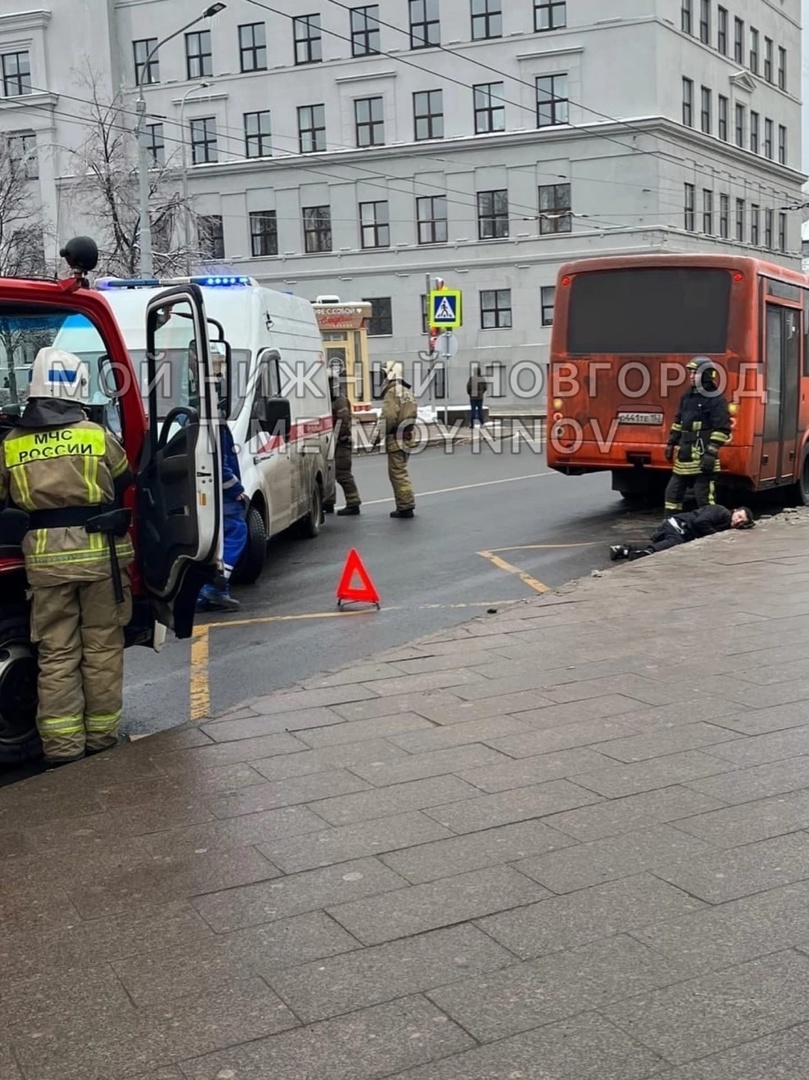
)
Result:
{"points": [[399, 477], [344, 476], [79, 630], [704, 490]]}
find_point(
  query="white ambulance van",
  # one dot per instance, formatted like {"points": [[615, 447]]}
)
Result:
{"points": [[278, 402]]}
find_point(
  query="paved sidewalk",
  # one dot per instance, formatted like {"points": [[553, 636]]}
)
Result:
{"points": [[564, 842]]}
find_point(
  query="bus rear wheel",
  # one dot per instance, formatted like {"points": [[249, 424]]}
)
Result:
{"points": [[802, 486]]}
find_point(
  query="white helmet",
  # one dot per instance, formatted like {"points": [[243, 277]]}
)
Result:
{"points": [[59, 374], [393, 371]]}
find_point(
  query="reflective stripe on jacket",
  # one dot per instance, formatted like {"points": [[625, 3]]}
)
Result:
{"points": [[73, 465]]}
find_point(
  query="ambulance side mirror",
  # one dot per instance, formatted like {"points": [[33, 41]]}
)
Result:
{"points": [[278, 417]]}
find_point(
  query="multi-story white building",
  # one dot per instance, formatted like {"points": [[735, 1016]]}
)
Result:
{"points": [[338, 148]]}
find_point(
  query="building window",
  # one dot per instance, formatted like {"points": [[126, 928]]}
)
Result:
{"points": [[688, 102], [316, 229], [492, 215], [723, 118], [707, 212], [431, 216], [755, 221], [740, 220], [211, 236], [768, 223], [547, 298], [782, 144], [782, 69], [425, 27], [754, 50], [706, 110], [740, 110], [686, 16], [555, 209], [16, 74], [257, 134], [21, 143], [724, 216], [428, 115], [156, 144], [198, 55], [552, 100], [722, 30], [264, 233], [487, 19], [705, 22], [768, 130], [146, 73], [375, 224], [688, 209], [380, 323], [490, 110], [768, 59], [738, 41], [365, 30], [550, 14], [308, 40], [755, 123], [203, 140], [312, 128], [253, 46], [495, 309], [369, 121], [782, 233]]}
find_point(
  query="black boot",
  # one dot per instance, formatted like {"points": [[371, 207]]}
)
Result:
{"points": [[402, 513], [348, 511]]}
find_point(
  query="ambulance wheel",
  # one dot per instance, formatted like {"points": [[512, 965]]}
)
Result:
{"points": [[18, 691], [310, 525], [251, 563]]}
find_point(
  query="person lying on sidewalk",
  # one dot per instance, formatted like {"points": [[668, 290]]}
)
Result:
{"points": [[680, 528]]}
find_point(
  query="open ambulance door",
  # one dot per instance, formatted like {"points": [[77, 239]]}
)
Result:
{"points": [[179, 516]]}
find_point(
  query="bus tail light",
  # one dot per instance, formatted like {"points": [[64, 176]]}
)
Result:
{"points": [[738, 276]]}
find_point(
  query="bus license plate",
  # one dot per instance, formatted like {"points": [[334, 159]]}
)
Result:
{"points": [[640, 418]]}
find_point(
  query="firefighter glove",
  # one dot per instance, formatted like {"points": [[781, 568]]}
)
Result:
{"points": [[669, 452], [707, 462]]}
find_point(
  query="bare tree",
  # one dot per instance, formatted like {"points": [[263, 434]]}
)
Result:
{"points": [[22, 250], [107, 167]]}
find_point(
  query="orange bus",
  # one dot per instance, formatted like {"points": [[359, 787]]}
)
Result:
{"points": [[624, 329]]}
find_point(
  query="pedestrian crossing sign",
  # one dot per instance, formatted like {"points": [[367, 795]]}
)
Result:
{"points": [[445, 309]]}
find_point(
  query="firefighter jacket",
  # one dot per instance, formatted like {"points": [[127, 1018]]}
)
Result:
{"points": [[703, 522], [399, 412], [341, 416], [73, 469], [701, 426]]}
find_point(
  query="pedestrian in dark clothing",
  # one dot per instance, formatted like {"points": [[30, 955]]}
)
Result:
{"points": [[700, 429], [476, 388], [680, 528], [342, 419]]}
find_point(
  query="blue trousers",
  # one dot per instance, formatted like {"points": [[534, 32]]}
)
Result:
{"points": [[235, 534], [476, 410]]}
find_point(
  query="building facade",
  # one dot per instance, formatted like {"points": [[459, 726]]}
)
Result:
{"points": [[354, 150]]}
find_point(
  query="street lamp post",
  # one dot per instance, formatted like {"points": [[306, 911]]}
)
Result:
{"points": [[143, 150], [186, 211]]}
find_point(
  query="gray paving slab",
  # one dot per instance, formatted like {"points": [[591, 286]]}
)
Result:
{"points": [[617, 816], [562, 922], [756, 782], [340, 756], [659, 743], [517, 804], [774, 1057], [614, 781], [717, 1011], [421, 766], [744, 824], [290, 792], [503, 774], [381, 802], [380, 727], [420, 908]]}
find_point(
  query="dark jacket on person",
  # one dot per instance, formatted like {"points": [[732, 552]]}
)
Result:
{"points": [[696, 523]]}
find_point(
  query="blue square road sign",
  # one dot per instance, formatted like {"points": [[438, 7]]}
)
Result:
{"points": [[445, 309]]}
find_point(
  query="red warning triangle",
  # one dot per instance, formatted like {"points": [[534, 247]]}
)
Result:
{"points": [[364, 593]]}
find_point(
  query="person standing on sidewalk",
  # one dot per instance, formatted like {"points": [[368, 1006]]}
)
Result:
{"points": [[680, 528], [476, 388], [397, 425], [342, 419], [68, 474], [700, 429]]}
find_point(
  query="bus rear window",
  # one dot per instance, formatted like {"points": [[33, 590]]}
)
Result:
{"points": [[645, 310]]}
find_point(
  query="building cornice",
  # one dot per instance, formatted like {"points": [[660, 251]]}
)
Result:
{"points": [[24, 20], [28, 101]]}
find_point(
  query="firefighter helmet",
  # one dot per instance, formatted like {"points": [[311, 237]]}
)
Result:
{"points": [[56, 373]]}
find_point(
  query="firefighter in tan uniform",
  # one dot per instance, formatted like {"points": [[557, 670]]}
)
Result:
{"points": [[342, 419], [397, 424], [66, 473]]}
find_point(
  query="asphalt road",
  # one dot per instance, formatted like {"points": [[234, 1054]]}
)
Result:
{"points": [[428, 571]]}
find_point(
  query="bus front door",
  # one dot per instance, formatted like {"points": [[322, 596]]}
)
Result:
{"points": [[782, 386]]}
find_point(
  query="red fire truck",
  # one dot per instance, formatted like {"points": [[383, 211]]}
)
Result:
{"points": [[175, 499]]}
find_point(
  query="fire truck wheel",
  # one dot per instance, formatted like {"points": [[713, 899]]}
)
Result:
{"points": [[251, 563], [18, 690], [310, 525]]}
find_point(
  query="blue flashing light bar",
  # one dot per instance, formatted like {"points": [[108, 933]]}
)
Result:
{"points": [[127, 283], [220, 282]]}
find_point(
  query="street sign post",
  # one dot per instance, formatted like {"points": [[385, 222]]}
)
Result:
{"points": [[445, 309], [447, 345]]}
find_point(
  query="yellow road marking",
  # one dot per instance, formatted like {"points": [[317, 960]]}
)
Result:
{"points": [[200, 689], [543, 547], [525, 578]]}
